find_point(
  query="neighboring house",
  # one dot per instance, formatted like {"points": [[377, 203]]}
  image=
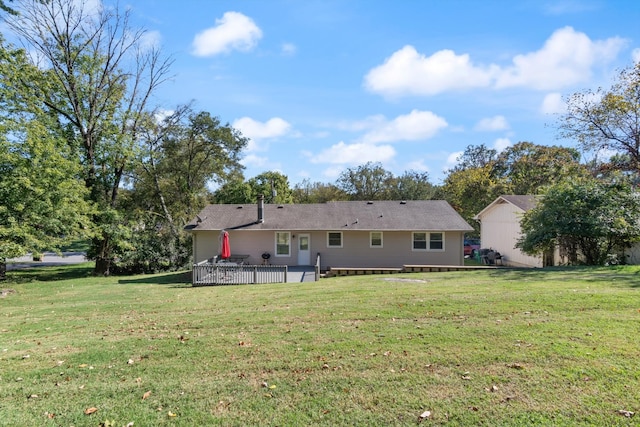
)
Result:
{"points": [[363, 234], [500, 230]]}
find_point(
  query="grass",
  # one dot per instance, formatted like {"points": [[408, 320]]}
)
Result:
{"points": [[495, 348]]}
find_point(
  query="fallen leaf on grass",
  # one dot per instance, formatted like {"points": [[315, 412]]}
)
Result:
{"points": [[130, 362], [146, 395], [50, 415], [515, 366], [424, 416], [627, 414], [171, 414], [90, 411]]}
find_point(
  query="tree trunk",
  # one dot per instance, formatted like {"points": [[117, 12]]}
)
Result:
{"points": [[103, 256], [3, 269]]}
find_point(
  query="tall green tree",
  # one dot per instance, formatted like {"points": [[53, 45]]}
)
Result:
{"points": [[42, 197], [366, 182], [470, 190], [274, 186], [527, 167], [179, 157], [317, 192], [607, 119], [411, 185], [588, 220], [97, 76]]}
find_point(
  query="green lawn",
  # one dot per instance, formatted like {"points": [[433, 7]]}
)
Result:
{"points": [[496, 348]]}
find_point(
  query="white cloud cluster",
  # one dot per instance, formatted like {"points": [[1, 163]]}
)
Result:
{"points": [[354, 154], [491, 124], [234, 31], [553, 104], [566, 58], [378, 132], [416, 125], [407, 72], [635, 55], [258, 131]]}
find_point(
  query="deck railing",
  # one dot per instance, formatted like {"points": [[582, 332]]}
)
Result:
{"points": [[207, 273]]}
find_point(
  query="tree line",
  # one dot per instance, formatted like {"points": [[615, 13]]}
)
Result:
{"points": [[85, 155]]}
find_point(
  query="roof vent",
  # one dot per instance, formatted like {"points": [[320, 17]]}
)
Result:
{"points": [[280, 207], [239, 207], [369, 202], [403, 202]]}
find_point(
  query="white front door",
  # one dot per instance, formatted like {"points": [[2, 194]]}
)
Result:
{"points": [[304, 249]]}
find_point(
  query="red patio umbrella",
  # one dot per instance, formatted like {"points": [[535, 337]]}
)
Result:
{"points": [[225, 248]]}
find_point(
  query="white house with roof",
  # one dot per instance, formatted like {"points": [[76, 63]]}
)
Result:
{"points": [[361, 234]]}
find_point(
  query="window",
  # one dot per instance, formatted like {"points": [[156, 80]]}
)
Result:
{"points": [[375, 239], [436, 241], [334, 239], [428, 241], [419, 241], [283, 243]]}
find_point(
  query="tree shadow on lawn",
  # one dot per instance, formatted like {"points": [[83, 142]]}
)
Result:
{"points": [[50, 273], [619, 276], [180, 279]]}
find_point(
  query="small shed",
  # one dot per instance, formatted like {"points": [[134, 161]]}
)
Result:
{"points": [[500, 230]]}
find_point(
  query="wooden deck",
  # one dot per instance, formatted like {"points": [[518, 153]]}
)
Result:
{"points": [[348, 271]]}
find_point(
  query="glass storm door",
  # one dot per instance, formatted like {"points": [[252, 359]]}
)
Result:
{"points": [[304, 249]]}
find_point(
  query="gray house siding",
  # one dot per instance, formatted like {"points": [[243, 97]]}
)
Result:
{"points": [[396, 251], [253, 228]]}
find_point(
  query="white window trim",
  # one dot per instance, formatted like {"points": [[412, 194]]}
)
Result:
{"points": [[428, 236], [371, 245], [288, 233], [341, 239]]}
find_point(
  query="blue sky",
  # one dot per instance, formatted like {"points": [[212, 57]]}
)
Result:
{"points": [[323, 85]]}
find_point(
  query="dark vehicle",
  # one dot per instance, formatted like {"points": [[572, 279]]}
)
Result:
{"points": [[471, 247]]}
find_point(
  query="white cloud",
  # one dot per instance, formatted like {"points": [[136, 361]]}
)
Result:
{"points": [[162, 114], [257, 131], [289, 49], [501, 144], [635, 55], [417, 125], [452, 160], [354, 154], [553, 104], [234, 31], [254, 160], [566, 58], [491, 124], [332, 172], [406, 72]]}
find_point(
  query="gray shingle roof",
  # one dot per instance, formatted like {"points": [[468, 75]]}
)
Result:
{"points": [[436, 215], [526, 202]]}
